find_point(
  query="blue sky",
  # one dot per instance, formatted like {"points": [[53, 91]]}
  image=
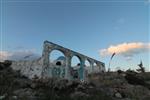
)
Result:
{"points": [[85, 26]]}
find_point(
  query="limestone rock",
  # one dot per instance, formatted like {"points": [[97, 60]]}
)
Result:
{"points": [[118, 95]]}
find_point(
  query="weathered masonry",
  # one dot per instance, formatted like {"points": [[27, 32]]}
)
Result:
{"points": [[43, 67]]}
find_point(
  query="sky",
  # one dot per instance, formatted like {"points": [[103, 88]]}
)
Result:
{"points": [[96, 28]]}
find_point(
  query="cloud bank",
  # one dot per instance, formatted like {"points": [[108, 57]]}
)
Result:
{"points": [[18, 55], [127, 50]]}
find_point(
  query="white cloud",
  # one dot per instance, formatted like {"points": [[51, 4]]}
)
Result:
{"points": [[18, 55], [127, 50], [4, 55]]}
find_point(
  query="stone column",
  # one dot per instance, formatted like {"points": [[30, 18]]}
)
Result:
{"points": [[46, 52], [103, 66], [68, 65], [99, 66], [92, 65], [82, 69]]}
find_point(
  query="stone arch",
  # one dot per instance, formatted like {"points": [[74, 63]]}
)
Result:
{"points": [[57, 63], [75, 66], [94, 67], [94, 64], [69, 54], [54, 55], [76, 58], [88, 66], [87, 63], [99, 68]]}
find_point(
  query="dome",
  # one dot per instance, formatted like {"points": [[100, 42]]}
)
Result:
{"points": [[61, 58]]}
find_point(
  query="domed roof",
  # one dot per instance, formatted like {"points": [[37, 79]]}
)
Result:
{"points": [[61, 58]]}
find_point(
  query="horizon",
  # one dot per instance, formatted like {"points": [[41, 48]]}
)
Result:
{"points": [[96, 29]]}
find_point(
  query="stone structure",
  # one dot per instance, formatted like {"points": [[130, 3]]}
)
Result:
{"points": [[43, 68]]}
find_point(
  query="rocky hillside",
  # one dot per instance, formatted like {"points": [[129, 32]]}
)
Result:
{"points": [[104, 86]]}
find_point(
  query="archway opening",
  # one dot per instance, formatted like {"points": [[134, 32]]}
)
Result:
{"points": [[96, 68], [88, 67], [87, 63], [75, 62], [95, 65], [57, 63], [75, 66], [57, 58]]}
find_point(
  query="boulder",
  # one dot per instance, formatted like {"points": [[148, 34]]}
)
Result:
{"points": [[118, 95]]}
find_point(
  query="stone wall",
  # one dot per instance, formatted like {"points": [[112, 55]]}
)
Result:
{"points": [[30, 69]]}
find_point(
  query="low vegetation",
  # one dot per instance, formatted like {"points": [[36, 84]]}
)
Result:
{"points": [[118, 85]]}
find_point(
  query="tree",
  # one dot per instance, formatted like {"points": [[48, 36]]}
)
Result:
{"points": [[141, 69]]}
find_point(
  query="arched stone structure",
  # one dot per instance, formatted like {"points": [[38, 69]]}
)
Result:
{"points": [[48, 47], [42, 67]]}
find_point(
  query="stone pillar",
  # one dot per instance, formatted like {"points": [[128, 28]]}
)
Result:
{"points": [[68, 65], [92, 65], [82, 69], [99, 66], [103, 66], [46, 52]]}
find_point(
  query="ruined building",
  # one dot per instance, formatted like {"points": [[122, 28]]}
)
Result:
{"points": [[61, 67]]}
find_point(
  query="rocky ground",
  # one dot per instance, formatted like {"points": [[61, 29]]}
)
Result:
{"points": [[104, 86]]}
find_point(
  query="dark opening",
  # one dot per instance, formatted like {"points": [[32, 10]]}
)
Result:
{"points": [[78, 64], [58, 63]]}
